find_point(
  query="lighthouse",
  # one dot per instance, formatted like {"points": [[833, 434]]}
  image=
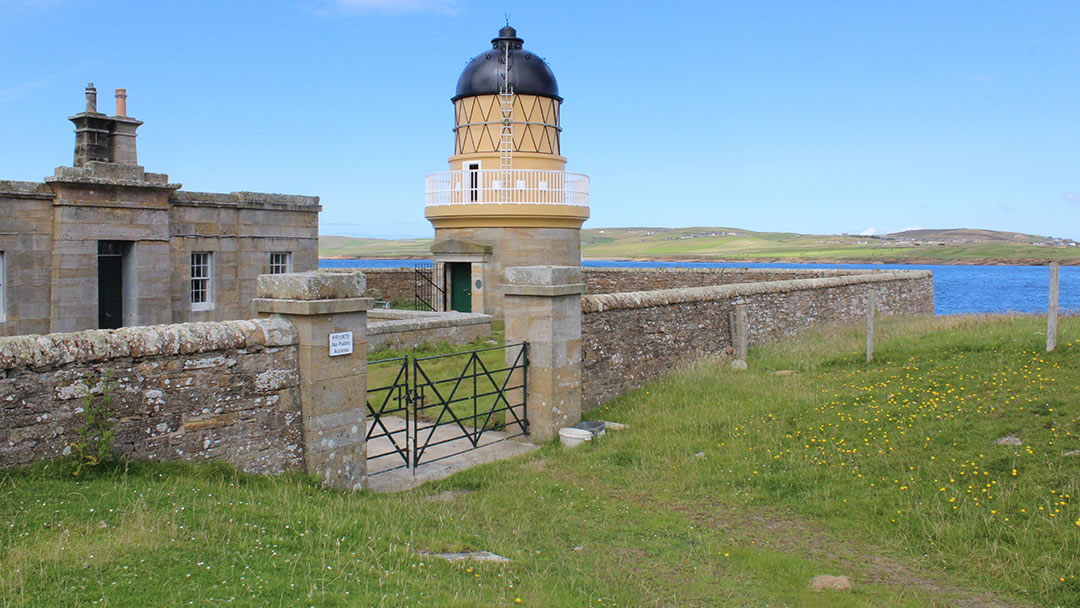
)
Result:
{"points": [[506, 199]]}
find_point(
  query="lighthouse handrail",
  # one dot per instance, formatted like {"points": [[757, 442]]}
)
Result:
{"points": [[525, 187]]}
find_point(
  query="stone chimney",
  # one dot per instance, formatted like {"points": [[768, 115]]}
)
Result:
{"points": [[122, 137], [91, 98], [91, 132], [101, 138], [121, 102]]}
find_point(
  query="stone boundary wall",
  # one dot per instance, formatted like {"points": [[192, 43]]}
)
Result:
{"points": [[225, 391], [404, 329], [397, 283], [620, 280], [386, 283], [629, 339]]}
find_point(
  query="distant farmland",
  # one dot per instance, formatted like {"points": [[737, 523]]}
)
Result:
{"points": [[954, 246]]}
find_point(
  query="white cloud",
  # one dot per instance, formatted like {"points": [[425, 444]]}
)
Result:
{"points": [[12, 11], [21, 90], [26, 89], [397, 7], [1072, 199], [870, 231], [28, 3]]}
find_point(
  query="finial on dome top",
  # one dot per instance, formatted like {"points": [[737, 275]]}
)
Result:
{"points": [[507, 37]]}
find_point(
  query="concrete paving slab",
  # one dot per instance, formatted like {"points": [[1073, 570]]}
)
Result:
{"points": [[452, 454]]}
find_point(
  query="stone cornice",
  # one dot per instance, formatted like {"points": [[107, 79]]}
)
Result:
{"points": [[312, 307], [246, 200], [544, 290]]}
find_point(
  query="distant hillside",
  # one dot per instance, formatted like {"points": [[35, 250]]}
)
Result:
{"points": [[735, 244], [352, 247], [950, 246], [957, 234]]}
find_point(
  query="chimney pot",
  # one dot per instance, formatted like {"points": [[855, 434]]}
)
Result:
{"points": [[121, 102], [91, 97]]}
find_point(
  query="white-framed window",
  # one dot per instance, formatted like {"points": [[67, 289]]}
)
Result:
{"points": [[280, 262], [202, 280], [473, 169]]}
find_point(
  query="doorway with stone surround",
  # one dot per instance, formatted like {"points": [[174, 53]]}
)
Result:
{"points": [[460, 286], [113, 261]]}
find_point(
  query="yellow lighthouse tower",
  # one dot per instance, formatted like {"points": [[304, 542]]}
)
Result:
{"points": [[506, 199]]}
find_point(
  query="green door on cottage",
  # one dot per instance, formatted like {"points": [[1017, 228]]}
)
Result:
{"points": [[460, 288]]}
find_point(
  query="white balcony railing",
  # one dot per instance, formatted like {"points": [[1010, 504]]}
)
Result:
{"points": [[514, 186]]}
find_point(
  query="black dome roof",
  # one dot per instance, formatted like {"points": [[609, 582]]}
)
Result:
{"points": [[529, 74]]}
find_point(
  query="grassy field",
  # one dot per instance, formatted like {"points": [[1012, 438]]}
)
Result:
{"points": [[719, 244], [350, 247], [728, 489], [759, 246]]}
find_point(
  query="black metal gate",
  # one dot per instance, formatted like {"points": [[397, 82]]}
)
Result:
{"points": [[384, 404], [446, 406], [426, 290]]}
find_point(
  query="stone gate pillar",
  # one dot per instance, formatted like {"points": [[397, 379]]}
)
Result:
{"points": [[330, 316], [542, 306]]}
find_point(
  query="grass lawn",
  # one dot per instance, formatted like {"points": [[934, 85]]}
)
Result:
{"points": [[728, 489]]}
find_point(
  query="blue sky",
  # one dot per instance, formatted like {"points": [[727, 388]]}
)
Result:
{"points": [[814, 117]]}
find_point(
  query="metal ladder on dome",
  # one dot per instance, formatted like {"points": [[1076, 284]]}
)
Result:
{"points": [[506, 135]]}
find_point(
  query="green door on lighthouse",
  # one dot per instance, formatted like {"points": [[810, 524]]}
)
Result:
{"points": [[460, 288]]}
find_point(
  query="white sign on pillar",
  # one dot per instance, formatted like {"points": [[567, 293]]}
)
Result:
{"points": [[341, 343]]}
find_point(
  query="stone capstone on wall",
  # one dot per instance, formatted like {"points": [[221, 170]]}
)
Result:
{"points": [[99, 345], [642, 299], [404, 329], [313, 285], [198, 391], [632, 338], [620, 280]]}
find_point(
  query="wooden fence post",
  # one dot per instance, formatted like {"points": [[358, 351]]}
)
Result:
{"points": [[731, 326], [740, 333], [1052, 311], [871, 306]]}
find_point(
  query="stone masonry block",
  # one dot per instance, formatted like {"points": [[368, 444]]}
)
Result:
{"points": [[333, 395], [343, 468], [554, 401], [335, 448], [555, 354], [322, 366], [332, 430], [543, 275], [314, 330]]}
